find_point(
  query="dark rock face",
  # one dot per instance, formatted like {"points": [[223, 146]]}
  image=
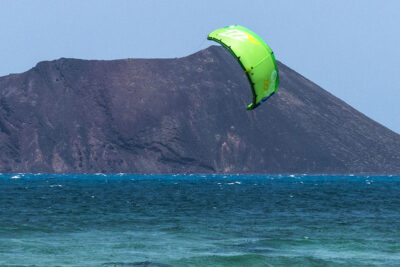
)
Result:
{"points": [[185, 115]]}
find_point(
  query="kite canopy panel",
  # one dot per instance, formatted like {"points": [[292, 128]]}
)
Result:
{"points": [[254, 56]]}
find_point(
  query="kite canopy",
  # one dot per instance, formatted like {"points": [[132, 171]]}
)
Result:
{"points": [[254, 56]]}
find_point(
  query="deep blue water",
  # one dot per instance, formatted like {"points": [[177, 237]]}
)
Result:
{"points": [[199, 220]]}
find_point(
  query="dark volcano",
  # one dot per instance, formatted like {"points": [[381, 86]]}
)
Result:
{"points": [[184, 115]]}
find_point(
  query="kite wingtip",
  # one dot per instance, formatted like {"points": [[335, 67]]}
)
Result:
{"points": [[252, 106]]}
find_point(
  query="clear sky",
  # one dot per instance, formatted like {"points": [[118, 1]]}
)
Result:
{"points": [[350, 48]]}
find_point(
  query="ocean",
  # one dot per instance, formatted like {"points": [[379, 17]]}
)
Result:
{"points": [[199, 220]]}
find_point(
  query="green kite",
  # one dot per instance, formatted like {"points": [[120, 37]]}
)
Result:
{"points": [[254, 56]]}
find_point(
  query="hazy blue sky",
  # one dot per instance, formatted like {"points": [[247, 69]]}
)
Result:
{"points": [[350, 48]]}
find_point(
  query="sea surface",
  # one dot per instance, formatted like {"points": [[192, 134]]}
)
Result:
{"points": [[199, 220]]}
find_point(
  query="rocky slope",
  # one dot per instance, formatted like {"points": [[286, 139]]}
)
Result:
{"points": [[184, 115]]}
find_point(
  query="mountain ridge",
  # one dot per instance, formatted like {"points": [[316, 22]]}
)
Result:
{"points": [[182, 115]]}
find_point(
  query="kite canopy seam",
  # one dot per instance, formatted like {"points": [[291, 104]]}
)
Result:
{"points": [[255, 58]]}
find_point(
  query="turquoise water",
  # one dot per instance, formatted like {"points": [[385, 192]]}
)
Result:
{"points": [[199, 220]]}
